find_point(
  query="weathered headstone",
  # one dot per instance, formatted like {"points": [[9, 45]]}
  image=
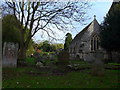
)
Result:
{"points": [[63, 58], [98, 65], [10, 52], [39, 64]]}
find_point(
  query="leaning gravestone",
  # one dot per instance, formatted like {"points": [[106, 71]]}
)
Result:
{"points": [[10, 52]]}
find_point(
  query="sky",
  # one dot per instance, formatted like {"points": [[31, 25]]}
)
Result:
{"points": [[98, 8]]}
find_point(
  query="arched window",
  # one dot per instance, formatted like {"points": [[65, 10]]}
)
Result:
{"points": [[94, 43]]}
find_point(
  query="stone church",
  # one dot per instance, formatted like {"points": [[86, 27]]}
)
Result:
{"points": [[86, 42], [85, 46]]}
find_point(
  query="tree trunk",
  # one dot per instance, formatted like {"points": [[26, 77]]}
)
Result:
{"points": [[23, 48], [22, 53]]}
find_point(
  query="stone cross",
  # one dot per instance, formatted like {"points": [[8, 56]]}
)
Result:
{"points": [[94, 16]]}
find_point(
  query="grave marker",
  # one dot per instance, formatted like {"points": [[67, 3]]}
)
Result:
{"points": [[10, 52]]}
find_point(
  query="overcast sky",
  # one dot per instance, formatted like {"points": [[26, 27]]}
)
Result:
{"points": [[99, 9]]}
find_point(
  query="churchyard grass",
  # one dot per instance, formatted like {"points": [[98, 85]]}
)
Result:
{"points": [[21, 78], [80, 64], [30, 60], [32, 77], [114, 63]]}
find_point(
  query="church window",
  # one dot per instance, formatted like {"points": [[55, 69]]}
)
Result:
{"points": [[94, 43]]}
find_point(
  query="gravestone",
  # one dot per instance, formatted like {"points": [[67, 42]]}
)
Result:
{"points": [[10, 52], [98, 65], [63, 58]]}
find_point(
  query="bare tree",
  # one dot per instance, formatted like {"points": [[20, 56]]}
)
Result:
{"points": [[44, 16]]}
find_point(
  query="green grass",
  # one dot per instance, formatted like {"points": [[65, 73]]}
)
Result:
{"points": [[76, 79], [21, 78], [78, 62], [114, 63], [30, 60]]}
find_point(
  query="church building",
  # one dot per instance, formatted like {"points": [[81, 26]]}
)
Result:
{"points": [[86, 42]]}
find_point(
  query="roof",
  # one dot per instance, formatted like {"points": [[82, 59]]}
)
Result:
{"points": [[80, 34]]}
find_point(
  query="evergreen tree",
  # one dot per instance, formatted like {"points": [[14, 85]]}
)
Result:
{"points": [[68, 40], [10, 29], [110, 35]]}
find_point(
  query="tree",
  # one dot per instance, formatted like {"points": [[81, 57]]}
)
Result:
{"points": [[46, 47], [10, 29], [44, 16], [58, 46], [31, 48], [68, 40], [110, 34]]}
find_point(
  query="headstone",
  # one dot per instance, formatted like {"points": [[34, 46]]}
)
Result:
{"points": [[52, 57], [63, 58], [98, 65], [39, 64], [10, 52]]}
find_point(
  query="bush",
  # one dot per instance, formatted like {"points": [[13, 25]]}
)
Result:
{"points": [[30, 60]]}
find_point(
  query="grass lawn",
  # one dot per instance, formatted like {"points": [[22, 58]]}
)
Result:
{"points": [[21, 78]]}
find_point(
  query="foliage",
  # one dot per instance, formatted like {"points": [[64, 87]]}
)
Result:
{"points": [[30, 51], [30, 60], [45, 46], [58, 46], [10, 29], [110, 35], [31, 48], [68, 40], [36, 55]]}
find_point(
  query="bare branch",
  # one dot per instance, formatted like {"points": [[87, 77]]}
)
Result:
{"points": [[45, 16]]}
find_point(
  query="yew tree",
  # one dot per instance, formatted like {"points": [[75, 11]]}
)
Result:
{"points": [[68, 41], [110, 34], [10, 29]]}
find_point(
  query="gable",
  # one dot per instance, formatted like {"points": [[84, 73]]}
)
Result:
{"points": [[87, 32]]}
